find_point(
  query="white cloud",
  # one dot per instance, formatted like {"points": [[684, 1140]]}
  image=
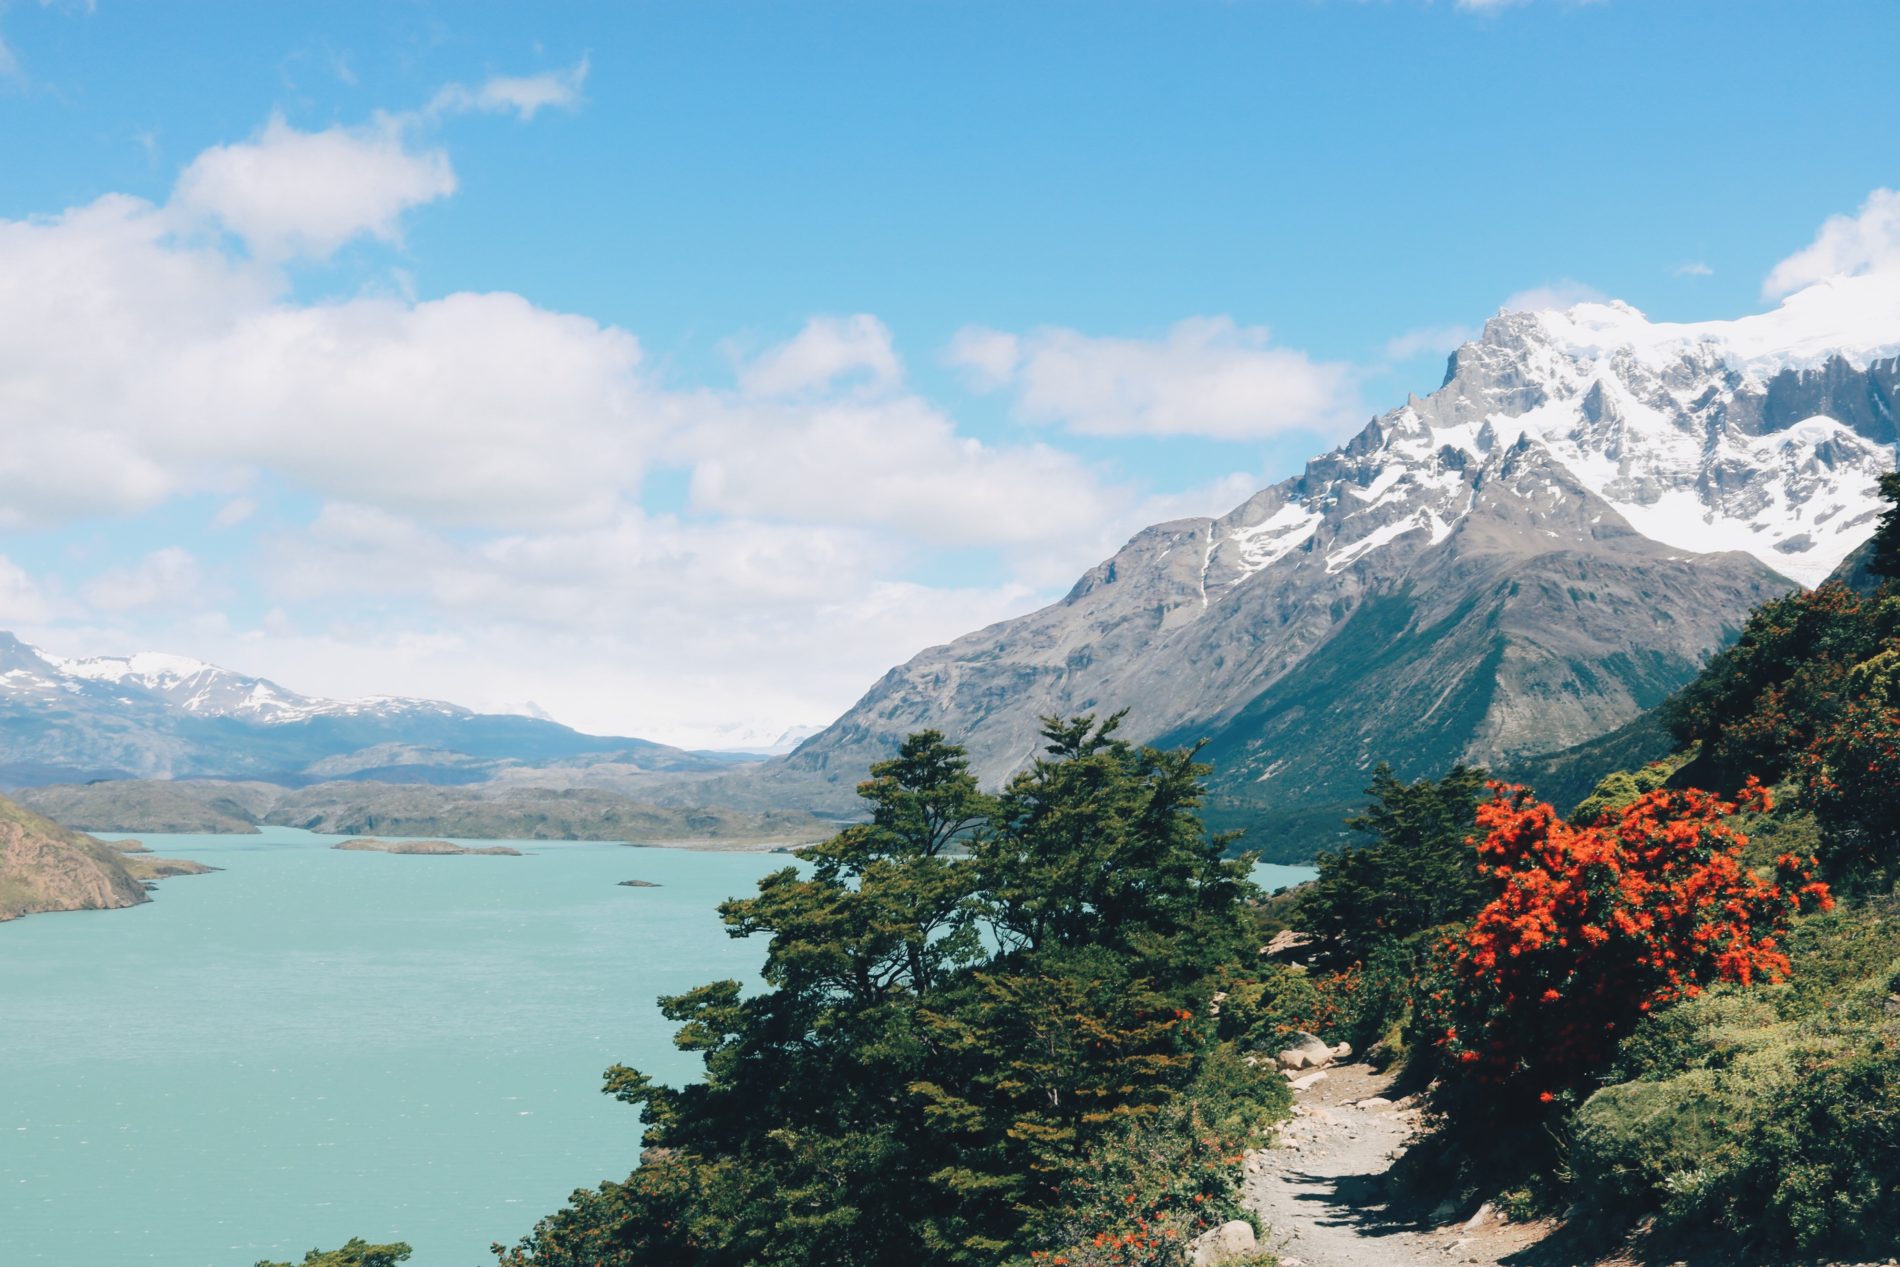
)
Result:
{"points": [[988, 358], [22, 601], [1692, 268], [164, 578], [1847, 246], [896, 463], [1435, 340], [647, 625], [287, 192], [135, 367], [525, 95], [826, 350], [1564, 293], [479, 461], [9, 64], [1207, 376]]}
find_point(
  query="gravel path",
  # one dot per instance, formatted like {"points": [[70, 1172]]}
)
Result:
{"points": [[1322, 1194]]}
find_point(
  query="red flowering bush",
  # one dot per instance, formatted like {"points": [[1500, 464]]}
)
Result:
{"points": [[1593, 926]]}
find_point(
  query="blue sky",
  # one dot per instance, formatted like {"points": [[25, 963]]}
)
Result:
{"points": [[681, 366]]}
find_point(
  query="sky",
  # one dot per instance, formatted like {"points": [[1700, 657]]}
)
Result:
{"points": [[674, 369]]}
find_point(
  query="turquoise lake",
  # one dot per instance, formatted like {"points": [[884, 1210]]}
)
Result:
{"points": [[311, 1045]]}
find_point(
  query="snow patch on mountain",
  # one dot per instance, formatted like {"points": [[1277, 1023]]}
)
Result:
{"points": [[196, 687], [1670, 423]]}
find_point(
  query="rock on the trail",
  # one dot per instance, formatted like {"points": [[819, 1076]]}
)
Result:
{"points": [[1309, 1081], [1479, 1219], [1342, 1050], [1225, 1244], [1308, 1051]]}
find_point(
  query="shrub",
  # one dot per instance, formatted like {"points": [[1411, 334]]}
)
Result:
{"points": [[1158, 1183], [1822, 1168], [1593, 927], [1852, 775]]}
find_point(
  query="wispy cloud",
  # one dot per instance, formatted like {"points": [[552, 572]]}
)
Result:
{"points": [[1207, 376], [1692, 268], [1436, 340], [826, 350], [1846, 246], [524, 95], [1562, 293]]}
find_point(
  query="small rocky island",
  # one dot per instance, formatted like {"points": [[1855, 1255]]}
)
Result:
{"points": [[638, 884], [373, 845]]}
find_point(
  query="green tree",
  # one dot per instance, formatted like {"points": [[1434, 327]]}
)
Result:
{"points": [[1417, 871], [1886, 560], [1100, 843], [970, 999], [356, 1253]]}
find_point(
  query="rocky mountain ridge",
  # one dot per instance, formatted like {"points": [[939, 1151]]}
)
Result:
{"points": [[1527, 558]]}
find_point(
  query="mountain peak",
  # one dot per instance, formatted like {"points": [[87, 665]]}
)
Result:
{"points": [[1532, 554]]}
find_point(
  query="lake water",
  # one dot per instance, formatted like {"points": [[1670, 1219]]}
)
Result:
{"points": [[312, 1045]]}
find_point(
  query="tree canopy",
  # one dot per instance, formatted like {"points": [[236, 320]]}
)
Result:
{"points": [[976, 1003]]}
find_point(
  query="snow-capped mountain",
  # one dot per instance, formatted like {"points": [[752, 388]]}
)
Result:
{"points": [[1528, 557], [152, 715], [205, 690]]}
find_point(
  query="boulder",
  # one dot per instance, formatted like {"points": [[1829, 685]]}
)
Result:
{"points": [[1308, 1051], [1230, 1242], [1342, 1051], [1285, 942]]}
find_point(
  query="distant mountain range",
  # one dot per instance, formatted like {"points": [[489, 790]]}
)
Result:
{"points": [[1528, 558], [153, 716]]}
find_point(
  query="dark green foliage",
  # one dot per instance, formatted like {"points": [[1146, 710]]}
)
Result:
{"points": [[1768, 1120], [357, 1253], [1762, 702], [1852, 775], [1158, 1179], [1822, 1169], [1416, 873], [1886, 543], [973, 1001], [1811, 694]]}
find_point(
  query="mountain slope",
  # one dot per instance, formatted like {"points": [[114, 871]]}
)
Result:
{"points": [[1528, 558], [44, 867]]}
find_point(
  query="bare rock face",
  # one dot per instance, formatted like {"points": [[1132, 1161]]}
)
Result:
{"points": [[44, 867]]}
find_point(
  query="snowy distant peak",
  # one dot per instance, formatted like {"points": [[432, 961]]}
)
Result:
{"points": [[1766, 434], [1854, 319], [144, 666], [194, 686]]}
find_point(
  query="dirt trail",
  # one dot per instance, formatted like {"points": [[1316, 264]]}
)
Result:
{"points": [[1322, 1193]]}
